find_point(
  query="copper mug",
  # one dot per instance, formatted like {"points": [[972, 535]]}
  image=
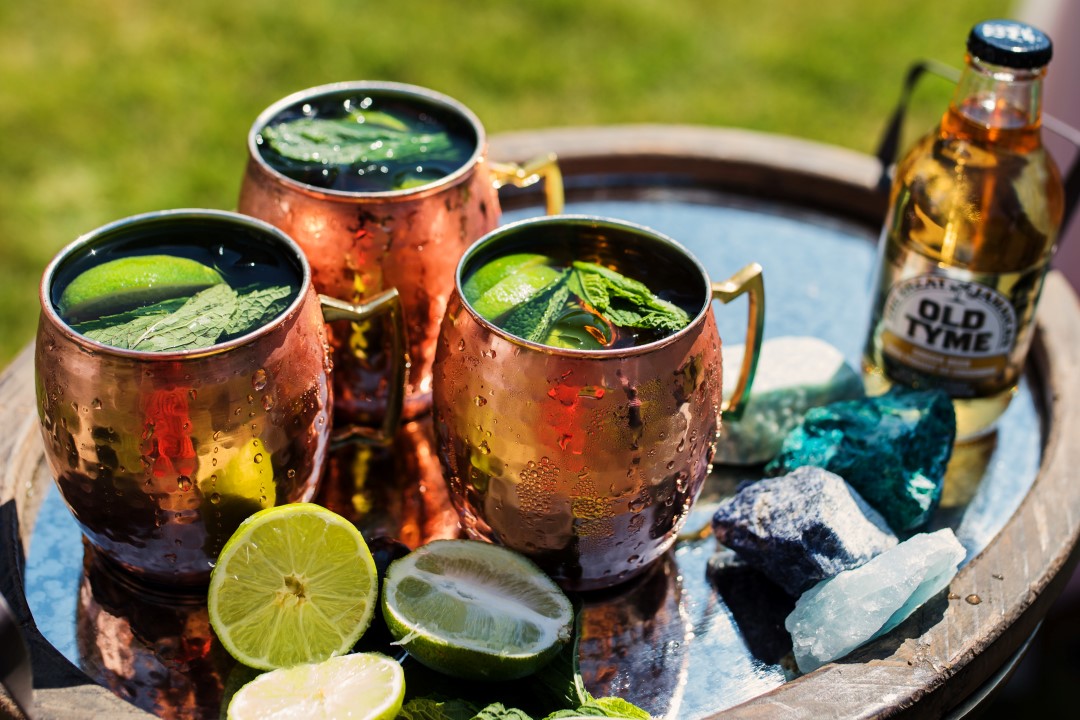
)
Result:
{"points": [[586, 461], [360, 243], [160, 455]]}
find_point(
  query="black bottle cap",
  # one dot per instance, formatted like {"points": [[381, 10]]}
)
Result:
{"points": [[1010, 43]]}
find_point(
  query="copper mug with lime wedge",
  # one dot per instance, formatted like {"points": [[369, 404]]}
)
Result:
{"points": [[183, 382], [384, 185], [577, 391]]}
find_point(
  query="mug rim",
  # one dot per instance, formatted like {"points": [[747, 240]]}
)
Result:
{"points": [[118, 227], [594, 221], [405, 90]]}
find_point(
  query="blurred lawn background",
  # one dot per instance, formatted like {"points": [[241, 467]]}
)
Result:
{"points": [[115, 107]]}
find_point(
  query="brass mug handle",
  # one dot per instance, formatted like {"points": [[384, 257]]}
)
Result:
{"points": [[388, 301], [544, 167], [748, 280]]}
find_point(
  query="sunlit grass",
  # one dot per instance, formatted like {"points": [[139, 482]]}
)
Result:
{"points": [[114, 107]]}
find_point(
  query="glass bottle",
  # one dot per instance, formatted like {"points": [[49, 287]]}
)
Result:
{"points": [[973, 219]]}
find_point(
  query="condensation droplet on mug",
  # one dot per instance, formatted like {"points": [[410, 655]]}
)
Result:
{"points": [[257, 458], [290, 474], [480, 401], [258, 381], [75, 406], [215, 498], [268, 402], [96, 404], [193, 393], [633, 559], [564, 440], [637, 505], [484, 448], [682, 445], [461, 345], [183, 483], [171, 557], [671, 465], [213, 479]]}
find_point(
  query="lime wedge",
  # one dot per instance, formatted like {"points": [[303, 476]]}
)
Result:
{"points": [[129, 282], [294, 584], [364, 686], [484, 278], [473, 610], [515, 289]]}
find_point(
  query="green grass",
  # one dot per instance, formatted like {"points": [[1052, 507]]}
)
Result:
{"points": [[114, 107]]}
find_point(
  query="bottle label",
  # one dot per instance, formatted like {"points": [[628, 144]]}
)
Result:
{"points": [[962, 332]]}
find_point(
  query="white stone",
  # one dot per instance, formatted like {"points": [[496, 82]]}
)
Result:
{"points": [[839, 614], [794, 374]]}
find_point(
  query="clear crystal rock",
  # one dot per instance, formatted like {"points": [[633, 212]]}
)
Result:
{"points": [[839, 614]]}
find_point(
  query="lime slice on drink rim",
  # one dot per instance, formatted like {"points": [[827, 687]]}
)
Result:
{"points": [[474, 610], [490, 273], [515, 289], [129, 282], [363, 686], [294, 584]]}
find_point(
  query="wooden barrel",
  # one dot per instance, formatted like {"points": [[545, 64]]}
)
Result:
{"points": [[937, 663]]}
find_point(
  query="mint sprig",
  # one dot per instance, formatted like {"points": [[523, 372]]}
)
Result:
{"points": [[348, 141], [610, 298], [209, 316]]}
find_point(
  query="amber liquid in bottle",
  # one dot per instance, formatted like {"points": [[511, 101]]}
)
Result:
{"points": [[974, 213]]}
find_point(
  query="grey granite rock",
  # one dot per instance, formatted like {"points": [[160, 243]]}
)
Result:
{"points": [[801, 528]]}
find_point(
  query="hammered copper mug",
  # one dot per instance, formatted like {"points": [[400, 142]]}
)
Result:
{"points": [[160, 455], [587, 461], [359, 243]]}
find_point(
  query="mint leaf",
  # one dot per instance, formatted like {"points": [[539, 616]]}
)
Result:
{"points": [[123, 335], [257, 306], [533, 319], [435, 709], [498, 711], [344, 141], [624, 301], [110, 321], [197, 324]]}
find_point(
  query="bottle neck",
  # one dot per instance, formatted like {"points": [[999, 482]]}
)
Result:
{"points": [[998, 97]]}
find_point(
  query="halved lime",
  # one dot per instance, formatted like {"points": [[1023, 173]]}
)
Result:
{"points": [[129, 282], [480, 281], [294, 584], [364, 686], [474, 610], [515, 289]]}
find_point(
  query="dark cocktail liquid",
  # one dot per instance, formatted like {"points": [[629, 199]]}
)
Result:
{"points": [[608, 298], [366, 141], [260, 279]]}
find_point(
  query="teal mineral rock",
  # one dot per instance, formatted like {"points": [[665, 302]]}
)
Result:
{"points": [[892, 449], [794, 374]]}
